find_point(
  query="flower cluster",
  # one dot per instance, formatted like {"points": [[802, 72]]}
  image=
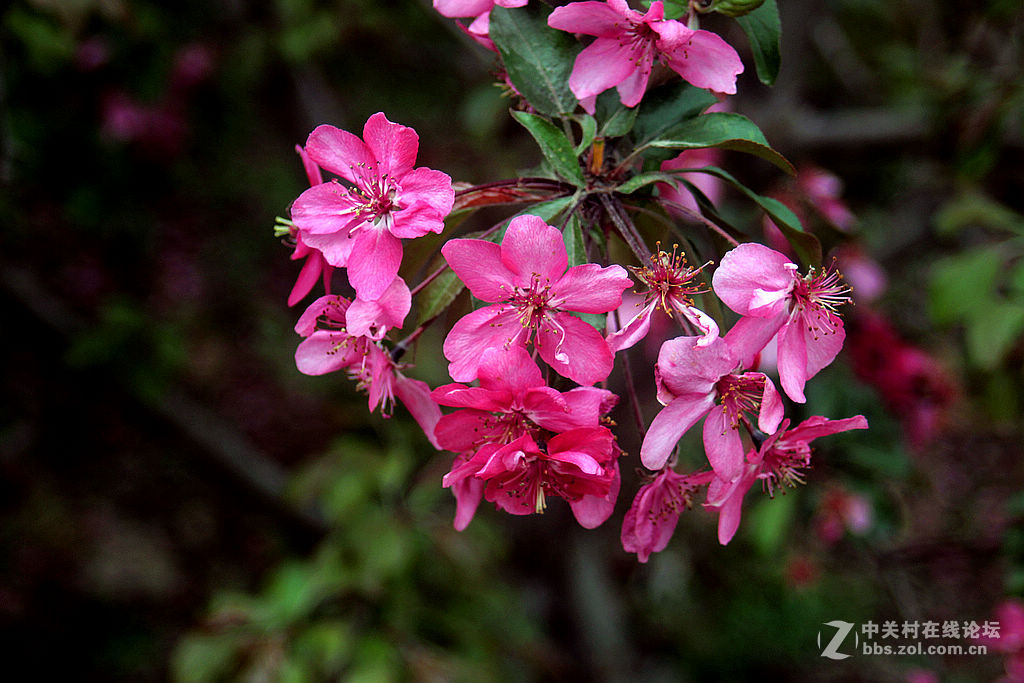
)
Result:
{"points": [[532, 359]]}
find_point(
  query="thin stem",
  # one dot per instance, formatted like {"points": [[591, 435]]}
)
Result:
{"points": [[697, 217], [634, 400]]}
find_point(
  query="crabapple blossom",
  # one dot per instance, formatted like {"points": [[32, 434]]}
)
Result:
{"points": [[511, 401], [780, 460], [670, 288], [763, 286], [655, 511], [533, 296], [691, 380], [361, 227], [627, 45]]}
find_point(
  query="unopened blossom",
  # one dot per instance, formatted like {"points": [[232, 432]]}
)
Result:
{"points": [[764, 287], [627, 45], [534, 297], [511, 401], [361, 227], [671, 285], [328, 346], [655, 511], [696, 382], [780, 461]]}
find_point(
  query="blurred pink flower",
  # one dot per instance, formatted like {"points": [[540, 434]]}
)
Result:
{"points": [[1009, 625], [480, 10], [361, 227], [711, 186], [627, 45], [533, 293]]}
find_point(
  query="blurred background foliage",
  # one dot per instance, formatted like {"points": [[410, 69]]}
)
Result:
{"points": [[178, 502]]}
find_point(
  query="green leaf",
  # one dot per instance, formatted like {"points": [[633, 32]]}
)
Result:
{"points": [[588, 126], [991, 336], [572, 234], [806, 245], [764, 31], [555, 145], [438, 295], [724, 130], [964, 285], [538, 58], [549, 209], [667, 107], [617, 119], [642, 179]]}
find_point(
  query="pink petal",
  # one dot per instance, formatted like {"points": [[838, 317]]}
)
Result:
{"points": [[750, 335], [509, 369], [601, 65], [374, 262], [574, 349], [336, 247], [393, 144], [590, 18], [478, 264], [685, 368], [312, 170], [332, 306], [460, 396], [468, 494], [457, 9], [326, 351], [669, 425], [793, 360], [817, 426], [633, 331], [824, 342], [308, 276], [415, 396], [339, 151], [531, 248], [591, 511], [772, 410], [589, 288], [324, 209], [722, 444], [701, 58], [754, 280], [373, 318], [632, 88], [461, 430], [428, 187], [475, 333]]}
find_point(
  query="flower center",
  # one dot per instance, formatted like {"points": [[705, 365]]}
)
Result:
{"points": [[817, 296], [740, 394], [670, 280]]}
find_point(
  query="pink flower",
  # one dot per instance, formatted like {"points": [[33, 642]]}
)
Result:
{"points": [[762, 285], [653, 516], [1010, 639], [580, 465], [780, 460], [691, 379], [373, 318], [361, 227], [628, 43], [526, 278], [329, 346], [512, 400], [670, 287]]}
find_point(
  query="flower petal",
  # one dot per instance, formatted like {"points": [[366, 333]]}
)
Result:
{"points": [[393, 145], [478, 264], [532, 247], [476, 332], [589, 288], [374, 262], [340, 152], [754, 280], [669, 425], [574, 349]]}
